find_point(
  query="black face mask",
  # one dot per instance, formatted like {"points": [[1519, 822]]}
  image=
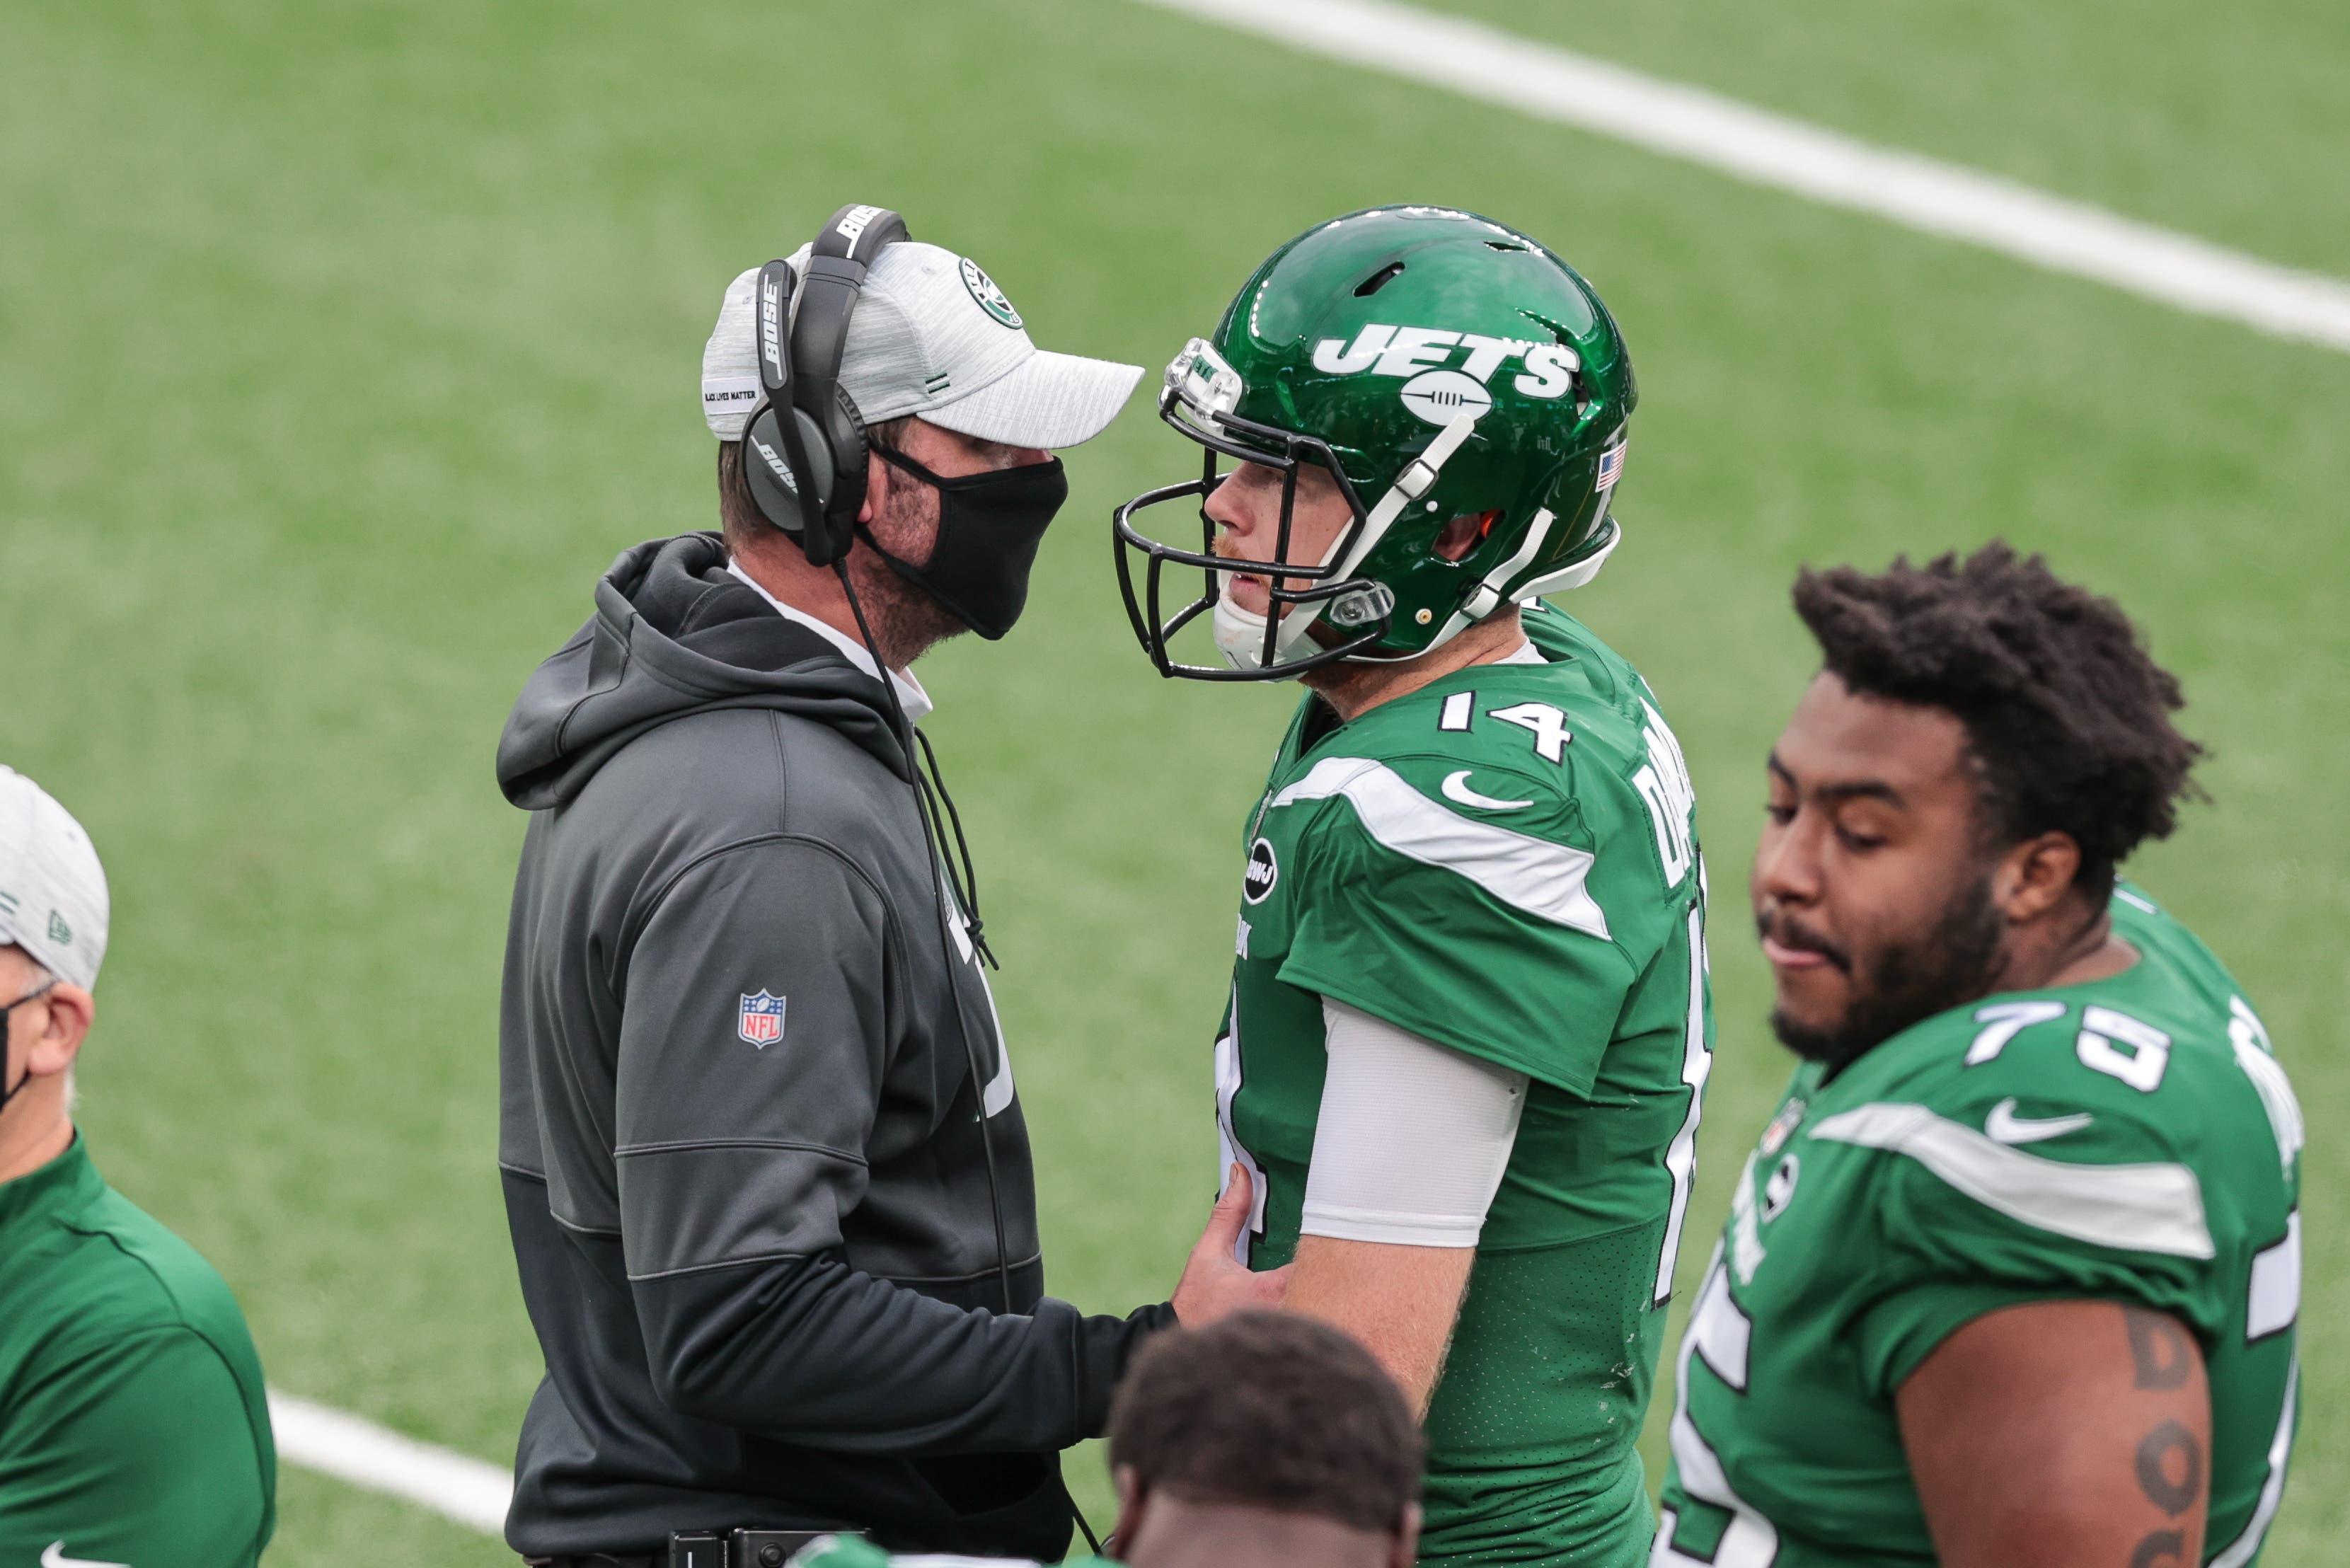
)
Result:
{"points": [[989, 528]]}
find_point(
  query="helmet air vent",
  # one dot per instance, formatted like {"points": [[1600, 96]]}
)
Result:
{"points": [[1377, 280]]}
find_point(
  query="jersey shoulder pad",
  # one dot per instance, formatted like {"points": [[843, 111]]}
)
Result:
{"points": [[2067, 1076], [2138, 1072], [2040, 1142], [1538, 750], [1453, 832]]}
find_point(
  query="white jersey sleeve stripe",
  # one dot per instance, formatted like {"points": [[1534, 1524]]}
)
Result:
{"points": [[2152, 1207], [1532, 874]]}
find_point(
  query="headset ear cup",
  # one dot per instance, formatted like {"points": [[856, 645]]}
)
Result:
{"points": [[766, 473]]}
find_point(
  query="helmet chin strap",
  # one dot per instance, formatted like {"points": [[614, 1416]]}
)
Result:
{"points": [[1233, 626], [1572, 577], [1490, 594]]}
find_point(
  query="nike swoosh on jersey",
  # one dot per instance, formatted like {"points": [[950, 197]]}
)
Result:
{"points": [[1547, 880], [2003, 1125], [55, 1557], [1456, 789]]}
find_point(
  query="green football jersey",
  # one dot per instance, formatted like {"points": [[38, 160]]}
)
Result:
{"points": [[2130, 1139], [1505, 862], [134, 1425]]}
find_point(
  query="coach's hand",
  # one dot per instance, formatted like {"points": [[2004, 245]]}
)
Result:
{"points": [[1215, 1284]]}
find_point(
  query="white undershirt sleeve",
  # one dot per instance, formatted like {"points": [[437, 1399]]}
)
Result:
{"points": [[1413, 1137]]}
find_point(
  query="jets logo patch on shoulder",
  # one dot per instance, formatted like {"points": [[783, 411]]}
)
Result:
{"points": [[760, 1019], [1263, 871]]}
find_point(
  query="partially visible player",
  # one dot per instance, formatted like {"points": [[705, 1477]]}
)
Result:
{"points": [[2011, 1280], [1469, 1020], [1264, 1441]]}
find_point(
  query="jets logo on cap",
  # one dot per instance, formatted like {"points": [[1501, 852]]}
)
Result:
{"points": [[990, 299]]}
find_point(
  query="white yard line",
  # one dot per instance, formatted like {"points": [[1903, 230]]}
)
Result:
{"points": [[1765, 149], [456, 1486]]}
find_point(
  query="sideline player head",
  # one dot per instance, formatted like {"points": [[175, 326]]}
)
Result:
{"points": [[1265, 1441], [2012, 1274], [1983, 746], [1427, 409]]}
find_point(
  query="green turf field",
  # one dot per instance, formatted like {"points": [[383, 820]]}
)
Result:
{"points": [[340, 347]]}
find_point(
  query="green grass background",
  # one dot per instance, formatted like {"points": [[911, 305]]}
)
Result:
{"points": [[341, 346]]}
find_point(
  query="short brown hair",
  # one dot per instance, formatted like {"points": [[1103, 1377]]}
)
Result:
{"points": [[1271, 1410]]}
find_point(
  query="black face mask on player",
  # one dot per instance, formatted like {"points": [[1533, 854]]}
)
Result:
{"points": [[989, 526]]}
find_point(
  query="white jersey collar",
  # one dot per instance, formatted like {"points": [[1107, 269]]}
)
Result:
{"points": [[916, 702]]}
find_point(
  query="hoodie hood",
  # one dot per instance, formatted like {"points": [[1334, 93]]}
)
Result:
{"points": [[675, 633]]}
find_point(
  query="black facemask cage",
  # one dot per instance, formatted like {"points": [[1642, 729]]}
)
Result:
{"points": [[1370, 605]]}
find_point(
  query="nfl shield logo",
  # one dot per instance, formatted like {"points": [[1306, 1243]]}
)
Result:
{"points": [[761, 1020]]}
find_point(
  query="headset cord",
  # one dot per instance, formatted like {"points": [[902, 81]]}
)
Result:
{"points": [[966, 890], [941, 867], [966, 886]]}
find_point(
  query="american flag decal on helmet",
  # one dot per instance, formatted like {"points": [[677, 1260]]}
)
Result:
{"points": [[1611, 466]]}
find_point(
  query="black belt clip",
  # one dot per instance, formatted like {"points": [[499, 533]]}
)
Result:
{"points": [[741, 1548]]}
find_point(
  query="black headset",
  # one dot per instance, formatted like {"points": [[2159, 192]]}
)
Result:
{"points": [[804, 465], [805, 462], [806, 469]]}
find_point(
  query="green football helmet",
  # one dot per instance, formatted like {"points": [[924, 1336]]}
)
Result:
{"points": [[1439, 365]]}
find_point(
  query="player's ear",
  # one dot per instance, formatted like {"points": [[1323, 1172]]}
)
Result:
{"points": [[2034, 875], [66, 1012], [876, 488], [1130, 1503], [1407, 1545]]}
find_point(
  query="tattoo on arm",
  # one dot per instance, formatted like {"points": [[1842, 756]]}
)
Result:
{"points": [[2159, 1349], [2174, 1493], [2169, 1461]]}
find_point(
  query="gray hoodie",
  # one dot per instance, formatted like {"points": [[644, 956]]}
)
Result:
{"points": [[741, 1138]]}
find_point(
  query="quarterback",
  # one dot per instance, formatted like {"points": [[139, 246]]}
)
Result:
{"points": [[1469, 1020], [2011, 1280]]}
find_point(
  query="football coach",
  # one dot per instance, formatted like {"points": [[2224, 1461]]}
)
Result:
{"points": [[766, 1175]]}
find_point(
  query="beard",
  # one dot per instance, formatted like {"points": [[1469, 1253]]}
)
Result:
{"points": [[907, 620], [1906, 982]]}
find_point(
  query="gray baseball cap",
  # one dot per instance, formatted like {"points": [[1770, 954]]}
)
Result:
{"points": [[932, 335], [53, 900]]}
